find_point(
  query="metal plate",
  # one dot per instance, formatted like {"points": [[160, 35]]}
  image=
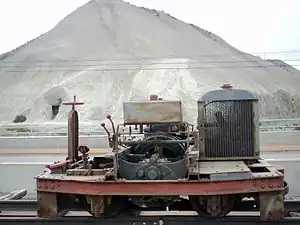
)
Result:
{"points": [[223, 167], [152, 112], [96, 178], [234, 170]]}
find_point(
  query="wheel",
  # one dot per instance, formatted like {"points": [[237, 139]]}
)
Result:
{"points": [[214, 206], [103, 206]]}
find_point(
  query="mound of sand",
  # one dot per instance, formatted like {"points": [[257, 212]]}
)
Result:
{"points": [[109, 51]]}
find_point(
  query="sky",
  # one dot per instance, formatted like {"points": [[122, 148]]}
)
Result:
{"points": [[254, 26]]}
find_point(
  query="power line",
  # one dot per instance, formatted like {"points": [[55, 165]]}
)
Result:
{"points": [[146, 69], [135, 58]]}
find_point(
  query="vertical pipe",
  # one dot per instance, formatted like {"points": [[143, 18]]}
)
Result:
{"points": [[73, 131], [73, 134]]}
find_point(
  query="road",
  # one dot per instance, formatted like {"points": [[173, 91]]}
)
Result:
{"points": [[59, 142]]}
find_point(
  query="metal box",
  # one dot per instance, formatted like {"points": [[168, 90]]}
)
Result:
{"points": [[152, 112], [229, 125]]}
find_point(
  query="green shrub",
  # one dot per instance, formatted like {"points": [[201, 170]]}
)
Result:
{"points": [[20, 119]]}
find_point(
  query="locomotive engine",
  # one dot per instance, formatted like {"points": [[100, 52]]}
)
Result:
{"points": [[155, 158], [156, 148]]}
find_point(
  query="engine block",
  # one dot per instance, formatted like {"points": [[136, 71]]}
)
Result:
{"points": [[156, 148]]}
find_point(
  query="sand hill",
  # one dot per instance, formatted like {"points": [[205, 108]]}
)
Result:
{"points": [[109, 51]]}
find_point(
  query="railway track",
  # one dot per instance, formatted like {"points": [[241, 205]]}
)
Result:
{"points": [[23, 212], [162, 220]]}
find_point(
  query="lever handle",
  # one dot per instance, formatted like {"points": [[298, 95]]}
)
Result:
{"points": [[104, 127], [112, 123]]}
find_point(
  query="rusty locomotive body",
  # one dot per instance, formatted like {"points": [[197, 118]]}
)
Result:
{"points": [[157, 160]]}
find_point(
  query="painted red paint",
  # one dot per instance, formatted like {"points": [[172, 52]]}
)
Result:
{"points": [[153, 97], [58, 164], [161, 187]]}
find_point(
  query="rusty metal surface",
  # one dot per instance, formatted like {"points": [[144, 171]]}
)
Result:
{"points": [[97, 205], [73, 135], [87, 172], [234, 170], [229, 130], [263, 169], [81, 184], [80, 178], [51, 205], [256, 129], [223, 167], [201, 129], [59, 167], [152, 112], [270, 172], [73, 128], [271, 206], [47, 205]]}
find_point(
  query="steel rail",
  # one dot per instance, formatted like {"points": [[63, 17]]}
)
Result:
{"points": [[291, 205], [155, 220], [23, 212]]}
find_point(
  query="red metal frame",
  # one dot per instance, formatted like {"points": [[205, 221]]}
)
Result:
{"points": [[159, 187]]}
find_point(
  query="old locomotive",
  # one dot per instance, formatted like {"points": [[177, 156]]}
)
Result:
{"points": [[157, 160]]}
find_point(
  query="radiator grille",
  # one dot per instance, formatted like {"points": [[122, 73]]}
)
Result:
{"points": [[229, 129]]}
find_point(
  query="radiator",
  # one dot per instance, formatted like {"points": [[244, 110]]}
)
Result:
{"points": [[229, 129]]}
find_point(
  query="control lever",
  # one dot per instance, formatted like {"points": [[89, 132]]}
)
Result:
{"points": [[110, 140], [108, 133], [112, 123]]}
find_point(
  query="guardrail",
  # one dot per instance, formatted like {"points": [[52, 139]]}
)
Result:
{"points": [[94, 128], [97, 123], [101, 133]]}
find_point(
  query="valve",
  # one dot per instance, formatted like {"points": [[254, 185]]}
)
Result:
{"points": [[84, 151], [73, 103]]}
